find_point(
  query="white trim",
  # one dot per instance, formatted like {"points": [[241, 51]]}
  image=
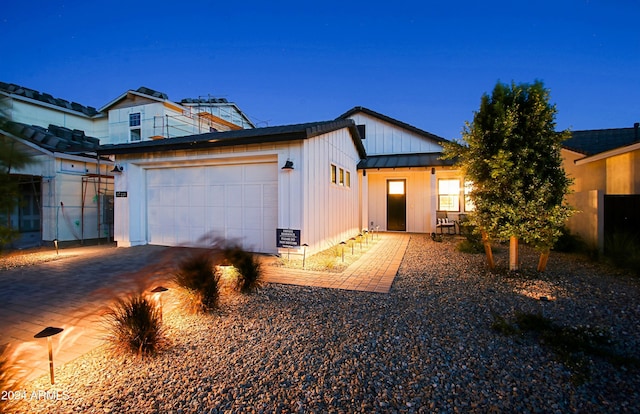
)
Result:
{"points": [[607, 154]]}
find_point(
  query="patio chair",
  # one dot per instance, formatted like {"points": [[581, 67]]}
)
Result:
{"points": [[444, 222]]}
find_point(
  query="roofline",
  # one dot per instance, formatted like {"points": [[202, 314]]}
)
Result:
{"points": [[239, 137], [444, 162], [98, 114], [606, 154], [134, 92], [394, 121], [244, 116]]}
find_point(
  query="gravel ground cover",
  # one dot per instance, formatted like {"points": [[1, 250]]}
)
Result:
{"points": [[427, 346]]}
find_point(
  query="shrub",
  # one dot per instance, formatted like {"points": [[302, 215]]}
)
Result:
{"points": [[200, 280], [623, 250], [569, 243], [135, 326], [466, 246], [247, 268]]}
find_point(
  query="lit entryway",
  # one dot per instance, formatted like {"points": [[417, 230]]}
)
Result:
{"points": [[238, 201], [396, 205]]}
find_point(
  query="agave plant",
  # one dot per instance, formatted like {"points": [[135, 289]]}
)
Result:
{"points": [[135, 326]]}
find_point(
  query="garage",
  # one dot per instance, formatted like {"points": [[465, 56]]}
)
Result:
{"points": [[234, 201]]}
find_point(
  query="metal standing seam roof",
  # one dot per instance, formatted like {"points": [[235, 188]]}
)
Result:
{"points": [[429, 159], [239, 137]]}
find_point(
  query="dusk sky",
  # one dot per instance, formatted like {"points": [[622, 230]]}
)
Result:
{"points": [[422, 62]]}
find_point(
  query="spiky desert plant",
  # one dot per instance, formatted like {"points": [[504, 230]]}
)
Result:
{"points": [[200, 280], [10, 376], [247, 267], [135, 326]]}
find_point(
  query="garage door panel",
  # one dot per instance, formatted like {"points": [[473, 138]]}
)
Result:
{"points": [[233, 201]]}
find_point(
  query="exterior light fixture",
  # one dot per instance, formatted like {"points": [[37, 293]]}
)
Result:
{"points": [[342, 243], [353, 242], [304, 253], [55, 244], [117, 169], [48, 332], [288, 166], [158, 293]]}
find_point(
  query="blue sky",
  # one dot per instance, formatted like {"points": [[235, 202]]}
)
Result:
{"points": [[425, 63]]}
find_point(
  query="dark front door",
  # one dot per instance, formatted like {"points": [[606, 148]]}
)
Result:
{"points": [[396, 205]]}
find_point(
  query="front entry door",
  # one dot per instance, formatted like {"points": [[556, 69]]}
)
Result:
{"points": [[396, 205]]}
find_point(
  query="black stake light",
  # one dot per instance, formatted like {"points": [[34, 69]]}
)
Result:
{"points": [[48, 332]]}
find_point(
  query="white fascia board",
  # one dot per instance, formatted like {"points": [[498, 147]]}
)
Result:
{"points": [[607, 154], [79, 158]]}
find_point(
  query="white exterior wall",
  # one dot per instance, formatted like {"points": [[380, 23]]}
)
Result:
{"points": [[383, 138], [35, 114], [331, 211]]}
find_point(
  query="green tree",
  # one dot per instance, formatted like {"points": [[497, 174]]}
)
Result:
{"points": [[511, 153], [11, 160]]}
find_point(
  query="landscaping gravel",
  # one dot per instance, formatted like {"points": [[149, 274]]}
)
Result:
{"points": [[427, 346]]}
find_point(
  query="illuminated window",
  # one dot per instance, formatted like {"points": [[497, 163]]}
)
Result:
{"points": [[334, 174], [449, 195], [341, 182], [348, 179], [396, 187]]}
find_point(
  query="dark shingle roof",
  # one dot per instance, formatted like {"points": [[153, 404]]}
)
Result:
{"points": [[590, 142], [153, 92], [393, 121], [239, 137], [54, 138], [46, 98], [429, 159]]}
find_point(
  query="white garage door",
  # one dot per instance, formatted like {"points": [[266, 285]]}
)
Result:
{"points": [[238, 202]]}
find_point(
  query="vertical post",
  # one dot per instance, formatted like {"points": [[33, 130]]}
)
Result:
{"points": [[50, 359], [513, 253], [488, 251]]}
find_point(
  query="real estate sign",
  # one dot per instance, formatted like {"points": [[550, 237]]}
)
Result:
{"points": [[287, 238]]}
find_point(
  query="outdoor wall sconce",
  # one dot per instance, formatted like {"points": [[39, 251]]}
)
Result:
{"points": [[48, 332], [288, 166], [157, 291], [304, 253], [117, 169]]}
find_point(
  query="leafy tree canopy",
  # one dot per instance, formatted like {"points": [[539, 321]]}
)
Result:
{"points": [[512, 154]]}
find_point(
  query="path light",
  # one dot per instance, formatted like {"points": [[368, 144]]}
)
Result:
{"points": [[158, 295], [304, 253], [360, 240], [48, 332], [353, 242], [378, 231], [342, 243], [55, 243], [366, 236]]}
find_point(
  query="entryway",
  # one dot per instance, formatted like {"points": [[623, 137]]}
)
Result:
{"points": [[396, 205]]}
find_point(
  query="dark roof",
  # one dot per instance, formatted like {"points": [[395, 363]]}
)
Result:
{"points": [[590, 142], [209, 100], [429, 159], [152, 92], [46, 98], [54, 138], [239, 137], [393, 121]]}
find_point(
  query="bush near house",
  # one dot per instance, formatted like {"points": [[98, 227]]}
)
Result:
{"points": [[135, 326], [247, 268], [623, 251], [200, 281]]}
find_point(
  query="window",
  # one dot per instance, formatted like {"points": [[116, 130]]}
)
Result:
{"points": [[468, 204], [334, 174], [449, 195], [348, 179], [362, 130], [135, 134], [341, 182], [134, 119]]}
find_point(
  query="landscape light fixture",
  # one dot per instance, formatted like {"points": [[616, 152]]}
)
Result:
{"points": [[158, 293], [304, 253], [353, 242], [342, 243], [48, 332], [288, 166], [55, 244]]}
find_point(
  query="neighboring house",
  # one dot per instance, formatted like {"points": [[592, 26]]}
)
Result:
{"points": [[241, 185], [68, 194], [605, 167], [404, 179]]}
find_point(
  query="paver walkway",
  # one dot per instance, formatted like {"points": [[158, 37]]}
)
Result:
{"points": [[68, 291]]}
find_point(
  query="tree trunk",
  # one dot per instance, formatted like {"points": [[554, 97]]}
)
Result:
{"points": [[513, 253], [488, 251], [542, 263]]}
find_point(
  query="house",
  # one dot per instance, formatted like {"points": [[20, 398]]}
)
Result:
{"points": [[68, 193], [404, 180], [605, 167], [242, 185]]}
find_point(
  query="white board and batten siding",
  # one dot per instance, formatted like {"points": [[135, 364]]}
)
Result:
{"points": [[384, 138], [331, 210]]}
